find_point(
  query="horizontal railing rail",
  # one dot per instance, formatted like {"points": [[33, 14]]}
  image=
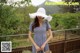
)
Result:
{"points": [[63, 41], [27, 34]]}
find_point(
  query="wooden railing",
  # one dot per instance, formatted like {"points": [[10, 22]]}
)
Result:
{"points": [[57, 47], [61, 46]]}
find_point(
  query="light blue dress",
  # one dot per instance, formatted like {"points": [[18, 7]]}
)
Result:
{"points": [[40, 35]]}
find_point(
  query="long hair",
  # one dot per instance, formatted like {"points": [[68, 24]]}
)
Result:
{"points": [[35, 23]]}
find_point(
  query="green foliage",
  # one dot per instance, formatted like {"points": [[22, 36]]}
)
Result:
{"points": [[28, 1], [23, 14], [15, 20], [8, 20], [69, 20], [3, 1], [65, 21]]}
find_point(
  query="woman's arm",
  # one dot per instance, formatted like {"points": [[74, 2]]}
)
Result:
{"points": [[30, 37], [50, 36], [49, 32]]}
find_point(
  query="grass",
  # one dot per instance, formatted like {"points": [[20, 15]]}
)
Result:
{"points": [[17, 43], [26, 51]]}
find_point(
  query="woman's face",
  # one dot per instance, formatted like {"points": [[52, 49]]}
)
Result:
{"points": [[40, 18]]}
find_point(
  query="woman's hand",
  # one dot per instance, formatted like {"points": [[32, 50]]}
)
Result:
{"points": [[37, 48], [42, 47]]}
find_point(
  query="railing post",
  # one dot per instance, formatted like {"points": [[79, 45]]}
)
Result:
{"points": [[65, 41]]}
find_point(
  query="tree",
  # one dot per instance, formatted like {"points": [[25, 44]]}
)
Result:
{"points": [[72, 8], [28, 1], [3, 1], [65, 21], [20, 3], [23, 14], [8, 20]]}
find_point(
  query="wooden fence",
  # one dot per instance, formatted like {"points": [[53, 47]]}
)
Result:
{"points": [[57, 47], [62, 46]]}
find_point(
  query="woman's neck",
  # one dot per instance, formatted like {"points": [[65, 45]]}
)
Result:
{"points": [[40, 23]]}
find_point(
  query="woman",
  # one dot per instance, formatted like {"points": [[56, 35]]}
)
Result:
{"points": [[39, 27]]}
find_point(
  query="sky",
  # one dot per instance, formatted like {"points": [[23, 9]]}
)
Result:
{"points": [[35, 2]]}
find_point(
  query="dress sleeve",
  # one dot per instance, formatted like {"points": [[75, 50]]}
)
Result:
{"points": [[47, 25], [30, 27]]}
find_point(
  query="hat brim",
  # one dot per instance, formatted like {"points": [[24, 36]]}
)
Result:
{"points": [[33, 15]]}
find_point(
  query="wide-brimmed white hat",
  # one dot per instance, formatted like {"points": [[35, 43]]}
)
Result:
{"points": [[41, 12]]}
